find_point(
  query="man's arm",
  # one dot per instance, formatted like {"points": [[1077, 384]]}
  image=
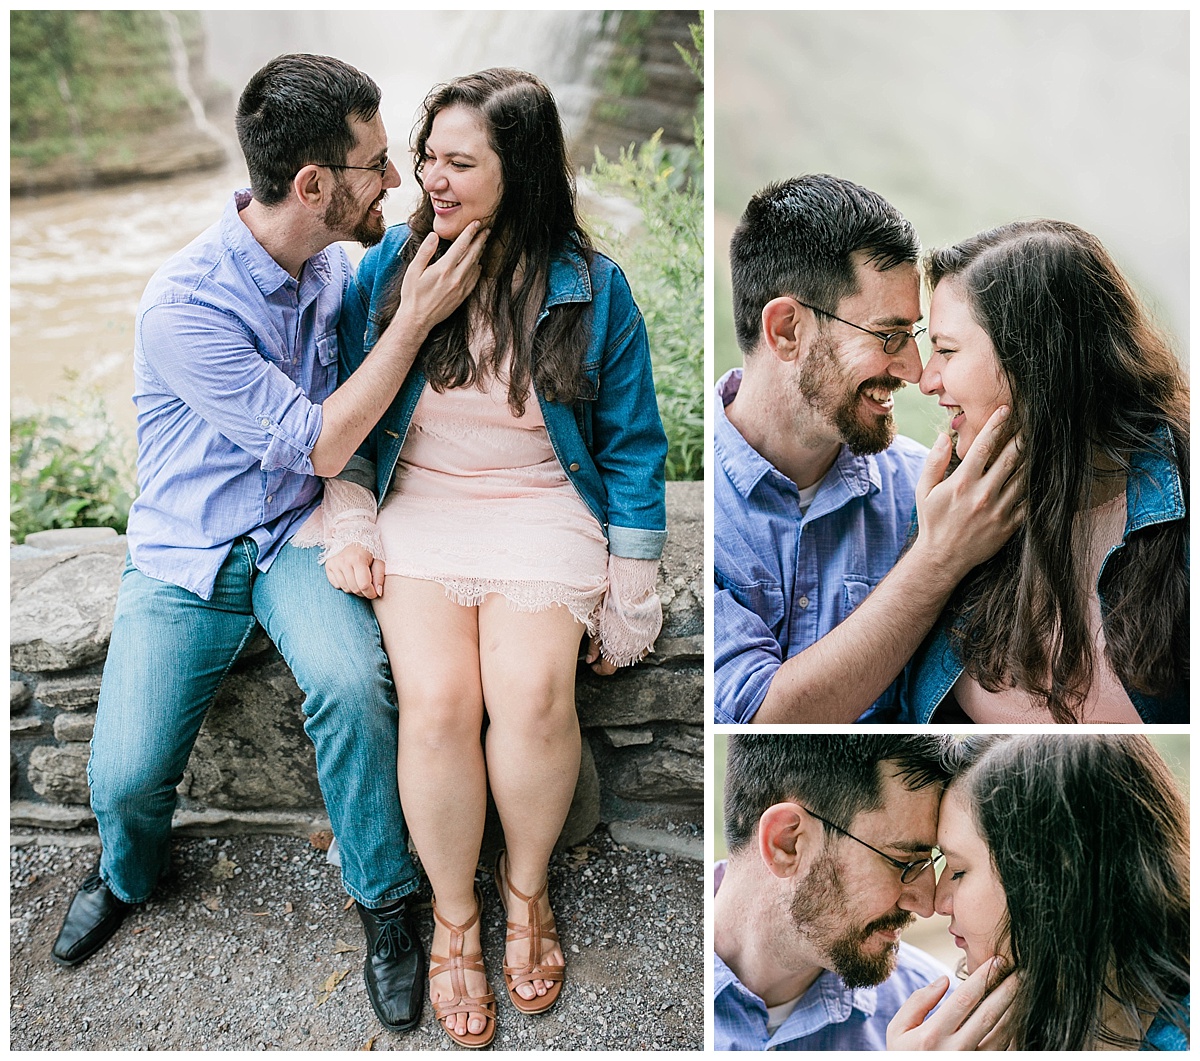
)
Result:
{"points": [[429, 294], [962, 522]]}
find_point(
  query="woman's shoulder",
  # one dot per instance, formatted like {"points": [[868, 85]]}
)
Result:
{"points": [[381, 258]]}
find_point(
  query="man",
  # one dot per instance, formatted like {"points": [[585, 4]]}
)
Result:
{"points": [[235, 363], [814, 491], [831, 847]]}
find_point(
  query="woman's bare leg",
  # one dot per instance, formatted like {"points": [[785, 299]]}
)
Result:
{"points": [[433, 646], [527, 664]]}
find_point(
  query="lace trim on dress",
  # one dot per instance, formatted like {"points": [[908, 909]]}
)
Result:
{"points": [[345, 516], [524, 596]]}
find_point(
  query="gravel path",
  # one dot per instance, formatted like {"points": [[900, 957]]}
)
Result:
{"points": [[249, 946]]}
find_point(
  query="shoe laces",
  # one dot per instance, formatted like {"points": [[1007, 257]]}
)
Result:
{"points": [[394, 938], [92, 882]]}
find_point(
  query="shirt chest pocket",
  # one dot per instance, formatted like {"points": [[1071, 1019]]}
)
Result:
{"points": [[855, 590], [764, 599], [327, 348]]}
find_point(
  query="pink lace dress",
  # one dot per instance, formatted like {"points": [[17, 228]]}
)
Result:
{"points": [[480, 503]]}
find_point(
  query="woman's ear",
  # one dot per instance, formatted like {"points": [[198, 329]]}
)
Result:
{"points": [[784, 837]]}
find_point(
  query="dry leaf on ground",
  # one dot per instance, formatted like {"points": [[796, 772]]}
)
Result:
{"points": [[330, 985]]}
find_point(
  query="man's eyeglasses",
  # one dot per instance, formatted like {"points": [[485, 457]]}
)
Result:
{"points": [[380, 167], [909, 871], [893, 342]]}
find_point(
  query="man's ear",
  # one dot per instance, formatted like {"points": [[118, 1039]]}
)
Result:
{"points": [[785, 326], [785, 837], [310, 186]]}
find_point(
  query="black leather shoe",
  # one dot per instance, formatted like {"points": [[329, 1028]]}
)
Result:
{"points": [[395, 968], [95, 914]]}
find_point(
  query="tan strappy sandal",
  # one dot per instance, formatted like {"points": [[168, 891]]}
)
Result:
{"points": [[538, 933], [457, 964]]}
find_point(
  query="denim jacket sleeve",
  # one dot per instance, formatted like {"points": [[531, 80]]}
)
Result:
{"points": [[628, 444]]}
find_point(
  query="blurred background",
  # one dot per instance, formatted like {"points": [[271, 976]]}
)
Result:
{"points": [[123, 149], [930, 934], [963, 121]]}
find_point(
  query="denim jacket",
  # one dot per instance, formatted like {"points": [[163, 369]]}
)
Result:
{"points": [[1154, 494], [611, 446]]}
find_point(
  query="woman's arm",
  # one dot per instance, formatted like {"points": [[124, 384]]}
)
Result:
{"points": [[629, 446]]}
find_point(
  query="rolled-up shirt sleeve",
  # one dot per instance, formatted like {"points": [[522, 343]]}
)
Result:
{"points": [[746, 658], [207, 359]]}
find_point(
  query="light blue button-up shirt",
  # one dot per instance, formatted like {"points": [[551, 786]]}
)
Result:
{"points": [[232, 360], [784, 580], [829, 1015]]}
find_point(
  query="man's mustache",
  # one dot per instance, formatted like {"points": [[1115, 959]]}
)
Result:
{"points": [[901, 919]]}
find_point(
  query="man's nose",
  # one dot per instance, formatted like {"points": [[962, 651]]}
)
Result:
{"points": [[942, 901], [918, 895], [906, 365], [391, 176]]}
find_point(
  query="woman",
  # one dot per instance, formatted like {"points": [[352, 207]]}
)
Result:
{"points": [[521, 472], [1083, 615], [1067, 856]]}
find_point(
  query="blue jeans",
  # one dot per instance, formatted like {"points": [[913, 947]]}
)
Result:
{"points": [[168, 653]]}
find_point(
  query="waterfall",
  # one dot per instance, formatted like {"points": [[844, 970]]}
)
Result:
{"points": [[64, 90], [183, 81]]}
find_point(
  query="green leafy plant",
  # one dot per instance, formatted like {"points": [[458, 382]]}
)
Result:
{"points": [[68, 468], [664, 261]]}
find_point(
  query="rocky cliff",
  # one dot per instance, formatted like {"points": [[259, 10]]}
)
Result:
{"points": [[99, 97]]}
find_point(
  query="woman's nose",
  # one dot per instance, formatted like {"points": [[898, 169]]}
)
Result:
{"points": [[931, 377]]}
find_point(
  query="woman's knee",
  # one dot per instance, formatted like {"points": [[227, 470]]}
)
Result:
{"points": [[538, 702], [438, 715]]}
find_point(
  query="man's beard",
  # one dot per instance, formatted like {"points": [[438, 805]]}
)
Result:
{"points": [[822, 384], [341, 209], [819, 912]]}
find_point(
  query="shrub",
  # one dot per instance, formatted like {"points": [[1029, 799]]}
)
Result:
{"points": [[665, 266], [69, 468]]}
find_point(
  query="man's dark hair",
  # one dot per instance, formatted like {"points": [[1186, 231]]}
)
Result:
{"points": [[796, 238], [296, 110], [836, 776]]}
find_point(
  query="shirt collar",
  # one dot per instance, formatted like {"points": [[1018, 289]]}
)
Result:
{"points": [[266, 272], [850, 476], [828, 1001]]}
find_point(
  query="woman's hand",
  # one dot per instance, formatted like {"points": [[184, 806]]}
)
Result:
{"points": [[597, 662], [354, 570], [970, 1019]]}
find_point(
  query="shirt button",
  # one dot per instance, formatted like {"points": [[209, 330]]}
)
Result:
{"points": [[270, 498], [573, 467], [265, 422], [803, 601]]}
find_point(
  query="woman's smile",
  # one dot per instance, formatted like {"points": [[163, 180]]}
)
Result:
{"points": [[460, 171], [963, 370]]}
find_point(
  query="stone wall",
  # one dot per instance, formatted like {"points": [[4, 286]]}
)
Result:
{"points": [[253, 766]]}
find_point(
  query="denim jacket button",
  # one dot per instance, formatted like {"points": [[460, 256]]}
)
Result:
{"points": [[573, 467]]}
